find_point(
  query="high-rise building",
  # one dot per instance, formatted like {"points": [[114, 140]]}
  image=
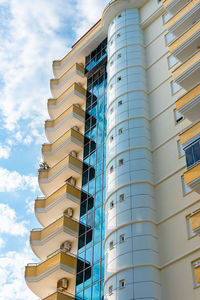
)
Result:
{"points": [[121, 172]]}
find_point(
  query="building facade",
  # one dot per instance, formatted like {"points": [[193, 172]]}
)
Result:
{"points": [[121, 173]]}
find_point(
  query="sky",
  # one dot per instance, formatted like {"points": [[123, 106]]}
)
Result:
{"points": [[33, 33]]}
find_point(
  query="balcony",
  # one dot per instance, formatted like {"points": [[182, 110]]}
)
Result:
{"points": [[49, 209], [75, 94], [192, 177], [187, 44], [191, 134], [72, 140], [174, 5], [196, 267], [73, 116], [42, 278], [53, 178], [48, 240], [184, 18], [195, 221], [57, 295], [74, 74], [189, 104], [188, 73]]}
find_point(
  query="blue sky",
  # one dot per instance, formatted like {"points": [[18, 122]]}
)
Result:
{"points": [[32, 35]]}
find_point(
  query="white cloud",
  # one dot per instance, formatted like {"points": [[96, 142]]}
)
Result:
{"points": [[4, 151], [2, 243], [9, 222], [13, 181], [89, 11], [12, 275]]}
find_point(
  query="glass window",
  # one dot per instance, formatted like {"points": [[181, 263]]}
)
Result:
{"points": [[169, 38], [95, 291], [122, 238], [121, 197], [87, 294], [97, 252], [96, 272], [172, 60], [122, 284], [192, 153], [110, 290], [175, 87], [166, 17], [111, 245], [97, 234]]}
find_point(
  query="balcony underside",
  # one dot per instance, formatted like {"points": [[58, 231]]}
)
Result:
{"points": [[52, 179], [49, 209], [189, 104], [74, 95], [188, 73], [60, 296], [174, 5], [50, 239], [70, 141], [75, 74], [185, 18], [187, 44], [42, 279], [55, 129]]}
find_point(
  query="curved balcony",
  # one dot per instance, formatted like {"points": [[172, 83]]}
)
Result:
{"points": [[48, 240], [74, 74], [51, 208], [184, 18], [72, 140], [195, 221], [188, 73], [187, 44], [73, 116], [75, 94], [192, 177], [42, 278], [53, 178], [189, 104], [57, 295]]}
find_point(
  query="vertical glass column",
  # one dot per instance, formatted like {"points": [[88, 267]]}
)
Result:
{"points": [[89, 283]]}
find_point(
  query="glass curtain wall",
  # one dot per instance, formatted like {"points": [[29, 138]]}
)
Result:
{"points": [[89, 282]]}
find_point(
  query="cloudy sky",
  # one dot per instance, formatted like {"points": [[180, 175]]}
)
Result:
{"points": [[33, 33]]}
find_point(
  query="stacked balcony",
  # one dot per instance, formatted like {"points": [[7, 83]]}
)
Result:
{"points": [[75, 94], [184, 24], [50, 208], [43, 278], [70, 140], [74, 116], [190, 141], [74, 74], [60, 177]]}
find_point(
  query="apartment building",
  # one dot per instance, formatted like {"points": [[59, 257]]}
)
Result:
{"points": [[120, 214]]}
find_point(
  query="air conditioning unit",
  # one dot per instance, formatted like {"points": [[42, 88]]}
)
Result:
{"points": [[69, 212], [75, 128], [71, 180], [62, 284], [73, 153], [66, 246]]}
